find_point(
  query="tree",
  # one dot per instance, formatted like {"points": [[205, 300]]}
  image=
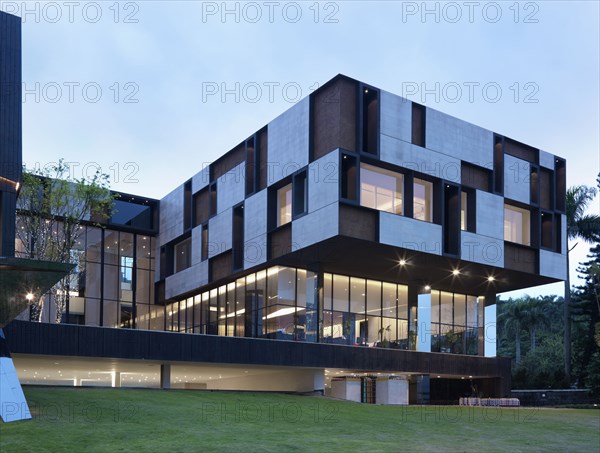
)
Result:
{"points": [[51, 209], [536, 316], [513, 319], [584, 227]]}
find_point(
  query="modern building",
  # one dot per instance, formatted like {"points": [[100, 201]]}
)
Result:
{"points": [[354, 245]]}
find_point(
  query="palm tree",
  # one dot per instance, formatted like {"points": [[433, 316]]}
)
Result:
{"points": [[584, 227], [513, 319], [536, 317]]}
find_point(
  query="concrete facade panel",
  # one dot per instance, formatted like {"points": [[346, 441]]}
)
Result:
{"points": [[255, 216], [489, 214], [201, 179], [517, 179], [171, 216], [396, 116], [458, 138], [187, 280], [482, 249], [255, 251], [553, 265], [410, 233], [546, 160], [288, 141], [323, 181], [424, 160], [219, 233], [315, 226], [231, 188]]}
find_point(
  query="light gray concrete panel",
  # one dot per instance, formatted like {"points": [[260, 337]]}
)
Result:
{"points": [[547, 160], [489, 214], [489, 346], [171, 216], [255, 251], [201, 179], [410, 233], [288, 136], [187, 280], [481, 249], [196, 245], [323, 181], [424, 160], [517, 175], [564, 242], [553, 265], [13, 405], [255, 215], [396, 116], [458, 138], [231, 188], [219, 233], [315, 226]]}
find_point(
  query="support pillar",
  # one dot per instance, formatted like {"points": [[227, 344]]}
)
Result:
{"points": [[165, 376]]}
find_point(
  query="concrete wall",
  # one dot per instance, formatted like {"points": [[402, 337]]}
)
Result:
{"points": [[490, 214], [219, 232], [516, 179], [391, 391], [323, 181], [187, 280], [455, 137], [316, 226], [347, 389], [424, 160], [231, 188], [171, 216], [300, 380], [410, 233], [288, 137], [553, 264], [255, 229], [481, 249], [396, 116]]}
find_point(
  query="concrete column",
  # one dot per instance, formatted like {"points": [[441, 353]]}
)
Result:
{"points": [[116, 379], [165, 376], [319, 381]]}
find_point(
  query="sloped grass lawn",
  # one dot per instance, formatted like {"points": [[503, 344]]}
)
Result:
{"points": [[114, 420]]}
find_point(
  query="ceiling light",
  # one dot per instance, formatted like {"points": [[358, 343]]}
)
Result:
{"points": [[455, 272], [427, 287], [29, 296], [402, 262], [491, 278]]}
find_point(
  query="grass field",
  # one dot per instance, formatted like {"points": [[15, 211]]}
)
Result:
{"points": [[119, 420]]}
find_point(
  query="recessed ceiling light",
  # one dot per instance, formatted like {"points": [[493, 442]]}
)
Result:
{"points": [[455, 272], [402, 262], [491, 278], [427, 287]]}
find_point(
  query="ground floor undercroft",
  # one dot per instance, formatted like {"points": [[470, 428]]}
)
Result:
{"points": [[363, 386]]}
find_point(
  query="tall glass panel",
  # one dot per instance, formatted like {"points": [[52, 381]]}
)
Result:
{"points": [[240, 309], [221, 312], [373, 312], [327, 333]]}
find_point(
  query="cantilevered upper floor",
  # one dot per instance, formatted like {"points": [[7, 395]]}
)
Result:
{"points": [[357, 180]]}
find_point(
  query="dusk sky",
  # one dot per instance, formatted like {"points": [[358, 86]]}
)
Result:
{"points": [[136, 88]]}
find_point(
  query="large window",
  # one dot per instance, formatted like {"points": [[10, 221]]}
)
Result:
{"points": [[516, 224], [381, 189], [284, 205], [183, 254], [423, 205]]}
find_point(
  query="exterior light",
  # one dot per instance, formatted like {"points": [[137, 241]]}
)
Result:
{"points": [[455, 272], [29, 297], [491, 278], [366, 90], [427, 287], [402, 262]]}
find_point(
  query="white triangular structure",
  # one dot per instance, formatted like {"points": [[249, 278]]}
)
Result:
{"points": [[13, 405]]}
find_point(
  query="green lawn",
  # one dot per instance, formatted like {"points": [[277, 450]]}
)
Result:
{"points": [[112, 420]]}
